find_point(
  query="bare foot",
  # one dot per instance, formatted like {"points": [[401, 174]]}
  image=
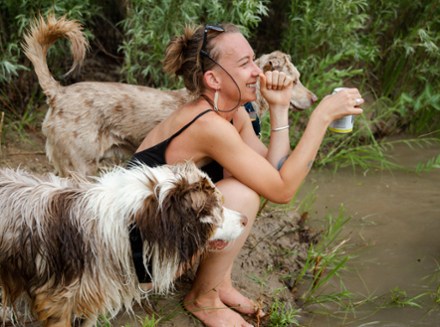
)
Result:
{"points": [[214, 314], [237, 301]]}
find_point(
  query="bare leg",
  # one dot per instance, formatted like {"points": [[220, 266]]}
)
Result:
{"points": [[236, 300], [213, 279]]}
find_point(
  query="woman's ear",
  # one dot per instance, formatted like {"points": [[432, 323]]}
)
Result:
{"points": [[212, 80]]}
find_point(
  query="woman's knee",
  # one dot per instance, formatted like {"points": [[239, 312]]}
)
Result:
{"points": [[239, 197]]}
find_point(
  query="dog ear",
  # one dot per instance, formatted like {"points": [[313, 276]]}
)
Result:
{"points": [[193, 183], [201, 195], [174, 228]]}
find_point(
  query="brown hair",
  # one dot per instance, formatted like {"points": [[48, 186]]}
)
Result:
{"points": [[182, 56]]}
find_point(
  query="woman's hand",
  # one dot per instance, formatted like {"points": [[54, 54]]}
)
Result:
{"points": [[345, 102], [276, 88]]}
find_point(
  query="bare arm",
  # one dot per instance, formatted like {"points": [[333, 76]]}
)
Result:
{"points": [[279, 144], [259, 173], [276, 88]]}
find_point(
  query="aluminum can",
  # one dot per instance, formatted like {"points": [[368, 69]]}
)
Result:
{"points": [[344, 124]]}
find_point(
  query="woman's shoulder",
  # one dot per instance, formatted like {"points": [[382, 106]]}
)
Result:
{"points": [[212, 124]]}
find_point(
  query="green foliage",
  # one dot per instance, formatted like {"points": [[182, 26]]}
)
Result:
{"points": [[324, 263], [19, 15], [390, 50], [400, 298], [17, 81], [151, 321], [411, 56], [9, 66], [325, 37], [150, 25], [391, 46], [433, 163], [282, 314], [327, 42], [408, 68], [148, 321], [434, 286], [28, 120]]}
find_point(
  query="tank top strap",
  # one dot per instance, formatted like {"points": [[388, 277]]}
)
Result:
{"points": [[188, 125]]}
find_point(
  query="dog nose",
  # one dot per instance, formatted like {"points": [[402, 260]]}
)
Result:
{"points": [[243, 221]]}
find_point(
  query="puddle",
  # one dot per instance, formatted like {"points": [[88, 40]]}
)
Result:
{"points": [[394, 233]]}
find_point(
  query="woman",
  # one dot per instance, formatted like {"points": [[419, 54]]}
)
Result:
{"points": [[214, 131]]}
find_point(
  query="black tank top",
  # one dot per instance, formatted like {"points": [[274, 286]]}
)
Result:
{"points": [[155, 155]]}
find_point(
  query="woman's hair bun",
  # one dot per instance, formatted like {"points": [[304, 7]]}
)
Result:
{"points": [[177, 51]]}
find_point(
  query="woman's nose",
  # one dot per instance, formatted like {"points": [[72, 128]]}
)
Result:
{"points": [[257, 69]]}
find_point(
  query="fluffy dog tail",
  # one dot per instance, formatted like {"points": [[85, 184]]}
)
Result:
{"points": [[41, 36]]}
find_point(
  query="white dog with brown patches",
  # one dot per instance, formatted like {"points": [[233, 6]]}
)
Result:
{"points": [[90, 122], [65, 244]]}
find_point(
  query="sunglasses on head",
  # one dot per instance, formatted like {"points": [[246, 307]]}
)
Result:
{"points": [[203, 51]]}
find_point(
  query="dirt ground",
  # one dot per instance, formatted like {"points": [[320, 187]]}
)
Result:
{"points": [[263, 271]]}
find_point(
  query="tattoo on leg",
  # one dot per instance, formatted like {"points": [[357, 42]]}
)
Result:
{"points": [[281, 162], [310, 164]]}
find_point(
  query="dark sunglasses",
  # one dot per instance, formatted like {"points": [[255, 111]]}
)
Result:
{"points": [[203, 51]]}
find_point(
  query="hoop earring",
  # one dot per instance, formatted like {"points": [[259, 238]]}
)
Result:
{"points": [[216, 101]]}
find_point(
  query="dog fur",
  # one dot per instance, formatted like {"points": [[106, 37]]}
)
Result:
{"points": [[90, 123], [64, 243]]}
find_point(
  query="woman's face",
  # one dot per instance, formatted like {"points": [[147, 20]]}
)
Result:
{"points": [[237, 57]]}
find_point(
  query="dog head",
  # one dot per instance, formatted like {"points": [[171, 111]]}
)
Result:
{"points": [[182, 218], [302, 98]]}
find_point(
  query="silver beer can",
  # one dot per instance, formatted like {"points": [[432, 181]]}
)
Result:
{"points": [[344, 124]]}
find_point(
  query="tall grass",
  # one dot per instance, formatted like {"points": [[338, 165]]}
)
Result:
{"points": [[325, 260]]}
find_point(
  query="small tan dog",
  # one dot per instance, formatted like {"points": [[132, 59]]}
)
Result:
{"points": [[89, 123]]}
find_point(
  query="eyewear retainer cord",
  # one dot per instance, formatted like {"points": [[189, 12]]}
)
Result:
{"points": [[204, 53]]}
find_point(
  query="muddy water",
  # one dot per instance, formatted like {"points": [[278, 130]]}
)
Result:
{"points": [[394, 233]]}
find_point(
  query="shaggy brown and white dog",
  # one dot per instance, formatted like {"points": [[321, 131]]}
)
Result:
{"points": [[64, 243], [90, 122]]}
